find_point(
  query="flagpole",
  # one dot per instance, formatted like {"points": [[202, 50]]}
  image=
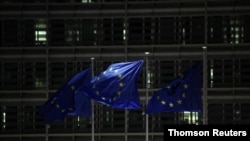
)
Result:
{"points": [[204, 85], [92, 106], [147, 53]]}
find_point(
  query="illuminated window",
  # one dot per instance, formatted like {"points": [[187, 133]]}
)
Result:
{"points": [[107, 116], [124, 31], [183, 36], [70, 36], [86, 1], [4, 118], [77, 35], [40, 35], [78, 121], [149, 79], [233, 31], [40, 32], [124, 34], [239, 32], [211, 32], [211, 74], [70, 33], [191, 118], [39, 83]]}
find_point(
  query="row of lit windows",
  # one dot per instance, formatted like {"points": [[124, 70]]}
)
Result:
{"points": [[188, 3], [27, 120], [106, 120], [70, 1], [51, 1], [136, 31]]}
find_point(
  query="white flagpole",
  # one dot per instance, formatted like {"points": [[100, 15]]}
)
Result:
{"points": [[204, 85], [146, 53], [92, 106]]}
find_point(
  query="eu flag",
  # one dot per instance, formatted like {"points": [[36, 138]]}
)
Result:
{"points": [[70, 99], [181, 94], [117, 85]]}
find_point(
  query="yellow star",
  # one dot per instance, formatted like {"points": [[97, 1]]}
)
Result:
{"points": [[184, 95], [97, 93], [118, 92], [171, 104], [163, 102], [179, 101], [72, 87], [185, 86], [119, 76], [57, 106], [121, 84], [181, 75]]}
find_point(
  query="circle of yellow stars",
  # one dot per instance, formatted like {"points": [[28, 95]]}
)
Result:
{"points": [[58, 106], [119, 91], [174, 103]]}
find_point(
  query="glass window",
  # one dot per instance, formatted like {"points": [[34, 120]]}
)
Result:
{"points": [[41, 32]]}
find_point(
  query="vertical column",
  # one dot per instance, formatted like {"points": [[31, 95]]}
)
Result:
{"points": [[204, 85], [92, 107], [146, 53]]}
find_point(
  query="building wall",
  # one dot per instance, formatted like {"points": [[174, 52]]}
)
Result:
{"points": [[43, 43]]}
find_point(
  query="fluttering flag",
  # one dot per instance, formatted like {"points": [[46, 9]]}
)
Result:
{"points": [[116, 87], [181, 94], [71, 99]]}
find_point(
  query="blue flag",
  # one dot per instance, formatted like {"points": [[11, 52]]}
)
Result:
{"points": [[70, 99], [117, 85], [182, 94]]}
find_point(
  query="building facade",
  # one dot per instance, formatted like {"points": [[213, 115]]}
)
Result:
{"points": [[44, 42]]}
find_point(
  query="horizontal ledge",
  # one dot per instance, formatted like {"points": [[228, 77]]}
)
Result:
{"points": [[79, 134]]}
